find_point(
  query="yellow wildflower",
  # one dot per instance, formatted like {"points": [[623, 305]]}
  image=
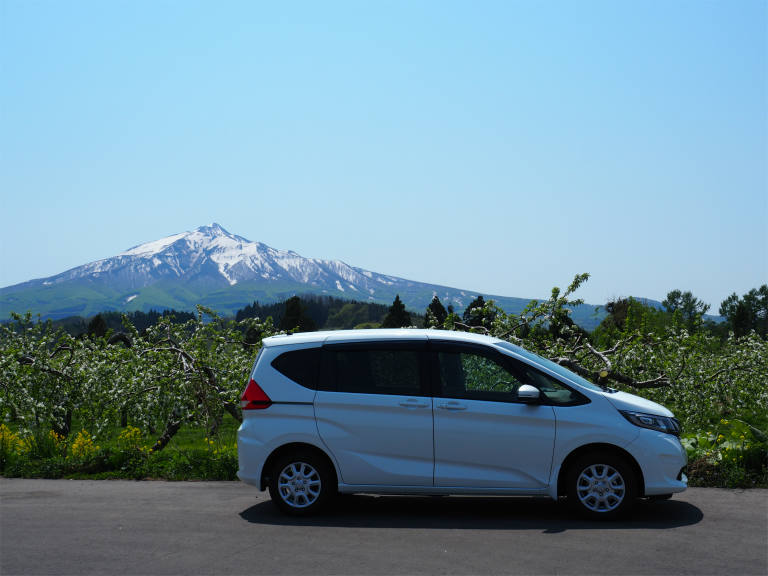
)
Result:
{"points": [[130, 439], [83, 446], [9, 440]]}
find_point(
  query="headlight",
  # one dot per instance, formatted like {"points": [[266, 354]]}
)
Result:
{"points": [[653, 422]]}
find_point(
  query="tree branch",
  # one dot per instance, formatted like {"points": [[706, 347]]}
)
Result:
{"points": [[601, 355], [659, 382], [469, 328]]}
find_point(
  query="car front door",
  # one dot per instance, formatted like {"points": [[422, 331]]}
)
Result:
{"points": [[484, 436]]}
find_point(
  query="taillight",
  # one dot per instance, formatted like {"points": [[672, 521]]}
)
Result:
{"points": [[254, 398]]}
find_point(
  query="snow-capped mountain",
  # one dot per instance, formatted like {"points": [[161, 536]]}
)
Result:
{"points": [[212, 254], [213, 267]]}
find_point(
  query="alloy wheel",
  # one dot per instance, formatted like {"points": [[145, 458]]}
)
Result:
{"points": [[299, 485], [601, 488]]}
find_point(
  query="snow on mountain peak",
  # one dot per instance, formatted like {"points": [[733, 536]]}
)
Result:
{"points": [[199, 237], [213, 253], [155, 247]]}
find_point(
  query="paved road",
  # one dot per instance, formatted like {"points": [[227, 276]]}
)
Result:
{"points": [[123, 527]]}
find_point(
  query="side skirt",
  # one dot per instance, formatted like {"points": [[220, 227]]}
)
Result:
{"points": [[441, 490]]}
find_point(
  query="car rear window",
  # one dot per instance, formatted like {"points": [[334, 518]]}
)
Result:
{"points": [[301, 366]]}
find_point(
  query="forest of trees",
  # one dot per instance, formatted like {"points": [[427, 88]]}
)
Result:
{"points": [[100, 324], [307, 312], [741, 314], [324, 312]]}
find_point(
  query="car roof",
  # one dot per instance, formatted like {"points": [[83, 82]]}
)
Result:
{"points": [[380, 334]]}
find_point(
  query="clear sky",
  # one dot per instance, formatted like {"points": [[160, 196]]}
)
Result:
{"points": [[500, 147]]}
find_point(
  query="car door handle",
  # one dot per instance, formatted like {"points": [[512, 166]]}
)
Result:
{"points": [[452, 406], [413, 403]]}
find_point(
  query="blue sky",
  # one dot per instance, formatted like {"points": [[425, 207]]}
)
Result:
{"points": [[500, 147]]}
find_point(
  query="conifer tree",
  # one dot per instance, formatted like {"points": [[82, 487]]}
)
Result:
{"points": [[397, 317], [296, 317], [473, 315], [97, 327], [436, 314]]}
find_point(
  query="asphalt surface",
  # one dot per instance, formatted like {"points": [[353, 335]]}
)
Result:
{"points": [[124, 527]]}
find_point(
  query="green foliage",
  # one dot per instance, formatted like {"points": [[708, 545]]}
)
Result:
{"points": [[690, 308], [397, 317], [163, 402], [649, 352], [325, 311], [296, 318], [730, 453], [628, 316], [478, 314], [79, 326], [97, 327], [124, 453], [436, 314], [750, 312], [352, 314], [171, 374]]}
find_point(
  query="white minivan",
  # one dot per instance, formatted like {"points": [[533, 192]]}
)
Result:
{"points": [[410, 411]]}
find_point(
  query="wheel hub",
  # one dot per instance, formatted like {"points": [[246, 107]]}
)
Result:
{"points": [[600, 488], [299, 485]]}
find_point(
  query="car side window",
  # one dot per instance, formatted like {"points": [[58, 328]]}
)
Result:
{"points": [[375, 371], [553, 391], [475, 375]]}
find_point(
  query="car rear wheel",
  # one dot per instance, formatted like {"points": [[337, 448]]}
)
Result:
{"points": [[601, 486], [301, 483]]}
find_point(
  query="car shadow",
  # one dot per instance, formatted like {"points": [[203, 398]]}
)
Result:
{"points": [[479, 513]]}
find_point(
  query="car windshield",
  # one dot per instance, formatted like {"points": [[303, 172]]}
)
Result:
{"points": [[553, 366]]}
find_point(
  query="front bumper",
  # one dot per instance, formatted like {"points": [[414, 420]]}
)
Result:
{"points": [[662, 460]]}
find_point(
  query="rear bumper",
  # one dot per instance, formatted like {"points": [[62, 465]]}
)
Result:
{"points": [[248, 479], [251, 455]]}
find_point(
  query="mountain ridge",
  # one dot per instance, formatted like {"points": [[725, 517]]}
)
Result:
{"points": [[213, 267]]}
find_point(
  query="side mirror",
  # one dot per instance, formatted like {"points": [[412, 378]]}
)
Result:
{"points": [[529, 394]]}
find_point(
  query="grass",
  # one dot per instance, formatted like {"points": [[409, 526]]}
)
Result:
{"points": [[121, 453], [730, 454], [194, 437]]}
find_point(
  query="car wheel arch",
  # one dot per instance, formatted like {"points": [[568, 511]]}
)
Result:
{"points": [[287, 449], [562, 475]]}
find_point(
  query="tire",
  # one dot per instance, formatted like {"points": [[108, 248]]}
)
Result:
{"points": [[301, 483], [601, 486]]}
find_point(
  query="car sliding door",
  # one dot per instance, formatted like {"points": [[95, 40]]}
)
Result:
{"points": [[374, 412]]}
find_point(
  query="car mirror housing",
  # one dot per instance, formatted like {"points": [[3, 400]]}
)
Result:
{"points": [[528, 393]]}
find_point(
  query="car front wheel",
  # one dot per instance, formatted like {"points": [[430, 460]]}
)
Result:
{"points": [[601, 486]]}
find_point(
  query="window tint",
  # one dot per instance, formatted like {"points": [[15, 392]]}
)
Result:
{"points": [[476, 376], [301, 366], [377, 371], [556, 368], [552, 390]]}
